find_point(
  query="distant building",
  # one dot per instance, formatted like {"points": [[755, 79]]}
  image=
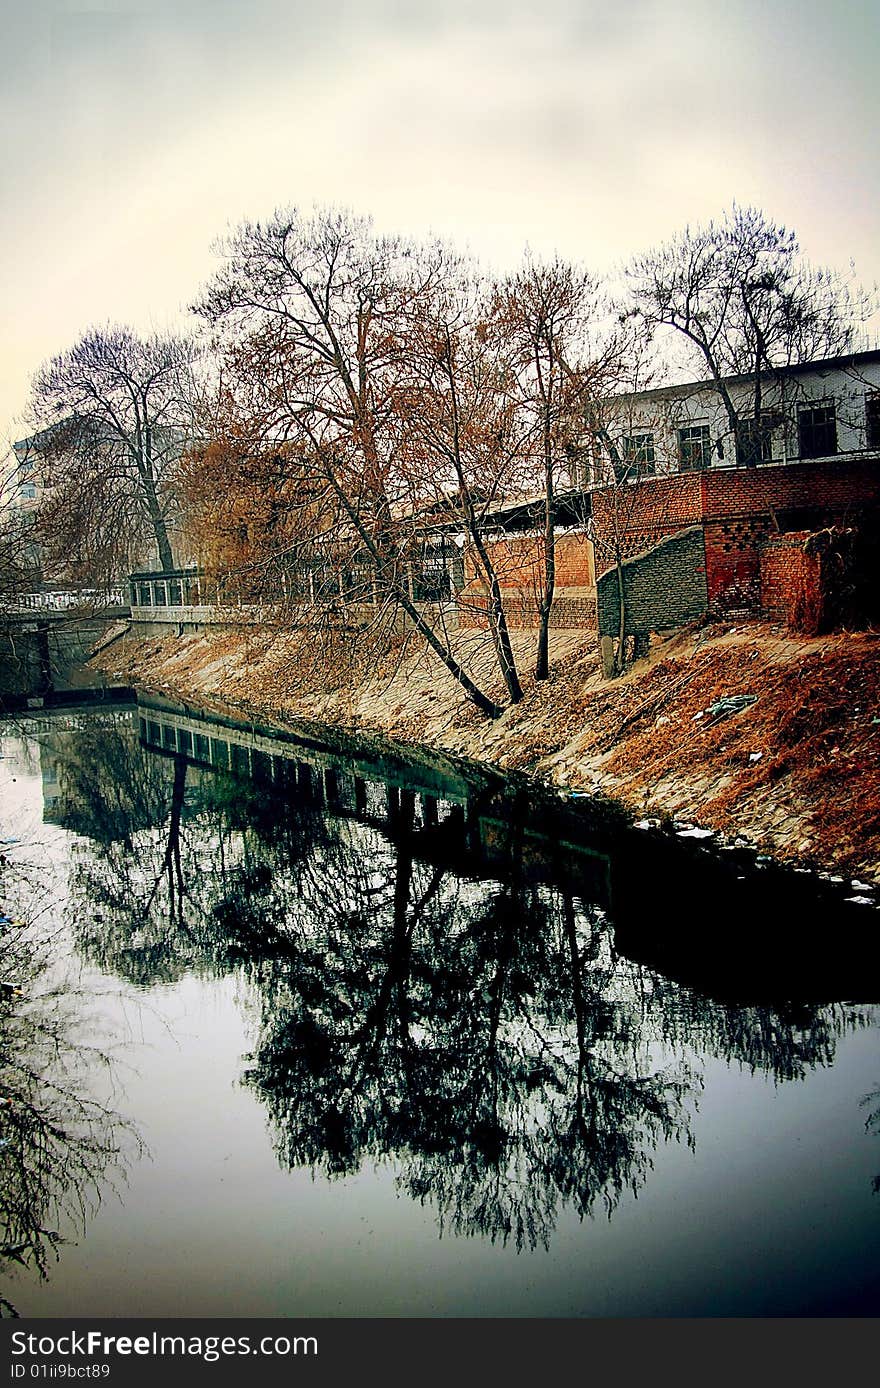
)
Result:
{"points": [[23, 480], [31, 472]]}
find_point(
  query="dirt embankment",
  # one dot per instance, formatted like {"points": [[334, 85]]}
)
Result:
{"points": [[792, 766]]}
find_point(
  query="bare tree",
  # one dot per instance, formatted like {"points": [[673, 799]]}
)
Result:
{"points": [[548, 319], [313, 315], [62, 1145], [747, 304], [111, 418], [618, 453], [19, 560], [618, 507], [24, 650], [250, 530], [462, 445]]}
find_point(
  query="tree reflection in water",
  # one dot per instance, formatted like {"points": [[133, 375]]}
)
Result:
{"points": [[872, 1125], [61, 1147], [480, 1034]]}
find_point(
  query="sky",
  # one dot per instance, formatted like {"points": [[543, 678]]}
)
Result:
{"points": [[135, 134]]}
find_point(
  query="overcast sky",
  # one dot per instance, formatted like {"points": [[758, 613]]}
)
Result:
{"points": [[135, 133]]}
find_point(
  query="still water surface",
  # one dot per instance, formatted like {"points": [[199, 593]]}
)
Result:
{"points": [[306, 1033]]}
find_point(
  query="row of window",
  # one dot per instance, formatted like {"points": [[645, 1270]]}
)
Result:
{"points": [[817, 438]]}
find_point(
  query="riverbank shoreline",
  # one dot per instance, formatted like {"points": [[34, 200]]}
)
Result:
{"points": [[768, 740]]}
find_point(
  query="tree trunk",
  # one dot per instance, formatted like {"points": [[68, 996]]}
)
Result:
{"points": [[620, 655], [166, 556], [542, 661], [482, 701], [157, 522], [498, 624]]}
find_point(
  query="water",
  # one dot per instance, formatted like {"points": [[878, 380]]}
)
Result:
{"points": [[332, 1032]]}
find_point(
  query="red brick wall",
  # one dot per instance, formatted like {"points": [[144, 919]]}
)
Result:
{"points": [[643, 514], [519, 563], [837, 486], [517, 560], [735, 507], [568, 614], [732, 562], [574, 561], [791, 581]]}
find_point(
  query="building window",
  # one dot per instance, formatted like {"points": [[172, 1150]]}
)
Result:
{"points": [[754, 438], [694, 447], [581, 466], [872, 419], [636, 458], [817, 431]]}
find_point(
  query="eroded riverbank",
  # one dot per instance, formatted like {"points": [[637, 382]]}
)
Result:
{"points": [[794, 771]]}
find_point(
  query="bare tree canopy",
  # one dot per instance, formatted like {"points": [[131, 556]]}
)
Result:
{"points": [[322, 334], [462, 447], [113, 416], [19, 566], [421, 395], [552, 326], [740, 294], [312, 310]]}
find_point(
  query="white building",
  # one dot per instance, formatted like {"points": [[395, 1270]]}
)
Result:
{"points": [[820, 410]]}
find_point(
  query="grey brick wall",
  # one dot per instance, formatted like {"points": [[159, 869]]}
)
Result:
{"points": [[664, 587]]}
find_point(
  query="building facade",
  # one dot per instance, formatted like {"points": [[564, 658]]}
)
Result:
{"points": [[804, 455], [819, 410]]}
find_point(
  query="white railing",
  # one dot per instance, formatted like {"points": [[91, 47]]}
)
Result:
{"points": [[63, 599]]}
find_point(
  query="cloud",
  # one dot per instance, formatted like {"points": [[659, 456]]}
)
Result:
{"points": [[135, 132]]}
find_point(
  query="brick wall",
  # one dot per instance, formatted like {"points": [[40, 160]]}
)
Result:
{"points": [[639, 515], [791, 586], [839, 486], [732, 560], [737, 509], [663, 588], [519, 563], [817, 581]]}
